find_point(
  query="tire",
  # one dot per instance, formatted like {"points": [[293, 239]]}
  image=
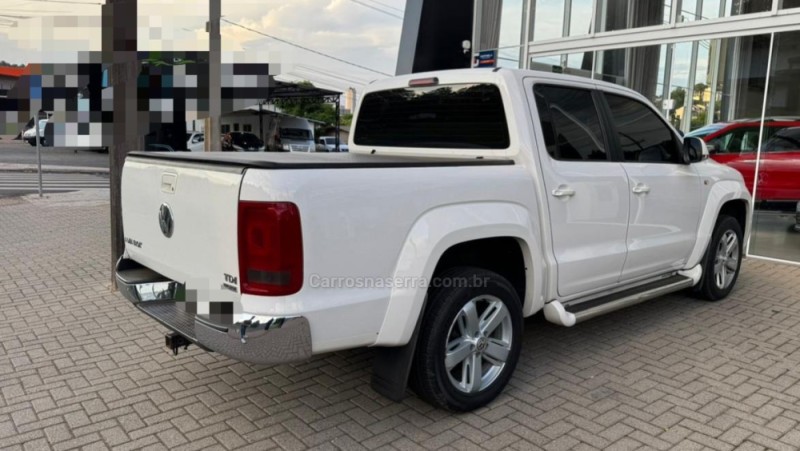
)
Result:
{"points": [[721, 266], [32, 142], [445, 320]]}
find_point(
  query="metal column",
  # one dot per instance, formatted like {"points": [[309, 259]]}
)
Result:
{"points": [[214, 76], [338, 122], [686, 122], [38, 150], [760, 139]]}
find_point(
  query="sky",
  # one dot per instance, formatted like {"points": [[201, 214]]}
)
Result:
{"points": [[352, 30]]}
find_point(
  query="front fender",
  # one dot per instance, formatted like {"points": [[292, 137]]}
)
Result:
{"points": [[720, 193], [436, 231]]}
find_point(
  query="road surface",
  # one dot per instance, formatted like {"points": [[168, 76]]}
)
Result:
{"points": [[20, 152], [21, 183]]}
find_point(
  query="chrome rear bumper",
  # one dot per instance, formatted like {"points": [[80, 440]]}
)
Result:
{"points": [[249, 338]]}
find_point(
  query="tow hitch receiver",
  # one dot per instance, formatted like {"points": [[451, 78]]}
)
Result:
{"points": [[175, 341]]}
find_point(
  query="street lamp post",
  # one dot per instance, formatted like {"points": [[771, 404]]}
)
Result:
{"points": [[38, 147]]}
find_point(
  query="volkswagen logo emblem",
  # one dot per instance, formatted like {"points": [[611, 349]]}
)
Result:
{"points": [[165, 220]]}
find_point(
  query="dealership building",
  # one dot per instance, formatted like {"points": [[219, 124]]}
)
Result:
{"points": [[700, 62]]}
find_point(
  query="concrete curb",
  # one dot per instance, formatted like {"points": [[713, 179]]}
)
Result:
{"points": [[81, 198], [8, 167]]}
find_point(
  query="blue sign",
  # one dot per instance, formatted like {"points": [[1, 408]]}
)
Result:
{"points": [[486, 58]]}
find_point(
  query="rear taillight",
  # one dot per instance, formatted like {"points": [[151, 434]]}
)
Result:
{"points": [[270, 248]]}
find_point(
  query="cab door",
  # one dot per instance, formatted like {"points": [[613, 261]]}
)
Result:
{"points": [[666, 195], [587, 192]]}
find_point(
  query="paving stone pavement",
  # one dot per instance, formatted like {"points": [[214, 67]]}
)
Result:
{"points": [[81, 368]]}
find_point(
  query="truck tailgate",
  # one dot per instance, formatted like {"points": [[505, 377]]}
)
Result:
{"points": [[180, 220]]}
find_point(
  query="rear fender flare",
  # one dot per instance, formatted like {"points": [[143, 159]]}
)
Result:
{"points": [[436, 231]]}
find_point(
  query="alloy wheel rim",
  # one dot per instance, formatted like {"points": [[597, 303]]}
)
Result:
{"points": [[478, 344], [726, 261]]}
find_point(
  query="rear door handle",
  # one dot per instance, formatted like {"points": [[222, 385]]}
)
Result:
{"points": [[641, 188], [563, 191]]}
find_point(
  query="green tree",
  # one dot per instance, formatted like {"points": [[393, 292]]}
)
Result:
{"points": [[309, 107], [699, 90], [679, 96]]}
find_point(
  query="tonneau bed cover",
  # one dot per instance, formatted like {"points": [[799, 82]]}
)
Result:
{"points": [[287, 160]]}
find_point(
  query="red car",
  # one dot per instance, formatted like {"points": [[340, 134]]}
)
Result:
{"points": [[735, 144]]}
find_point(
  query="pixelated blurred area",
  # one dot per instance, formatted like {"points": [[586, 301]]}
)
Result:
{"points": [[172, 88]]}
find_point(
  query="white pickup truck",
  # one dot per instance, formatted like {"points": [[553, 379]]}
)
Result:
{"points": [[471, 199]]}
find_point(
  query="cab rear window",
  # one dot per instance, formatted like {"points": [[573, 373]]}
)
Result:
{"points": [[455, 116]]}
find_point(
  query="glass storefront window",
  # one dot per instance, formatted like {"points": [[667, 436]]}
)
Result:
{"points": [[509, 57], [579, 64], [776, 223], [692, 10], [786, 4], [580, 17], [748, 6], [548, 21], [626, 14], [511, 23], [547, 63], [510, 33]]}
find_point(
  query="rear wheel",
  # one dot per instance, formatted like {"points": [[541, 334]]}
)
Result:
{"points": [[469, 341], [722, 261]]}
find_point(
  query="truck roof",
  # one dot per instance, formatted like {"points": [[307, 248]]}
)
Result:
{"points": [[496, 75]]}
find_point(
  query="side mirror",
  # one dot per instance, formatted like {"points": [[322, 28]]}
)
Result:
{"points": [[694, 150]]}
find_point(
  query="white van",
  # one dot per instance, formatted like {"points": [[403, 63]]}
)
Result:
{"points": [[291, 134]]}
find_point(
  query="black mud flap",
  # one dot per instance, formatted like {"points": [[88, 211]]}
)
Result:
{"points": [[392, 366]]}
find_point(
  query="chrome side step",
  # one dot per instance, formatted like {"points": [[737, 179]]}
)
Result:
{"points": [[576, 311]]}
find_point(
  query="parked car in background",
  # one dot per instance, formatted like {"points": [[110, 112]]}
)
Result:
{"points": [[291, 134], [242, 142], [328, 144], [159, 148], [195, 141], [735, 143], [29, 135]]}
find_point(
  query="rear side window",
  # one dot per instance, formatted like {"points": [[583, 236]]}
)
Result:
{"points": [[570, 123], [741, 139], [457, 116], [786, 140], [643, 136]]}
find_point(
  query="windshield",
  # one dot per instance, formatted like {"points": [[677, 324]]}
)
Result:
{"points": [[702, 132], [457, 116], [245, 138], [295, 133]]}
